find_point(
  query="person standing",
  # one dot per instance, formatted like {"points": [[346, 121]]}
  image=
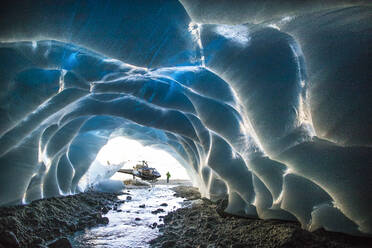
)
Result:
{"points": [[168, 176]]}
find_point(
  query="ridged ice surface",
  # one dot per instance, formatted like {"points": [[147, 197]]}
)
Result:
{"points": [[277, 115]]}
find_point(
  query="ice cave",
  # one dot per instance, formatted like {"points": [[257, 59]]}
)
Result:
{"points": [[269, 104]]}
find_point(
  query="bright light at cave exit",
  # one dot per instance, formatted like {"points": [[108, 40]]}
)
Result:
{"points": [[130, 152]]}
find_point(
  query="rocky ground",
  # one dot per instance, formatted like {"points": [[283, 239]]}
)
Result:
{"points": [[46, 222], [175, 182], [205, 225]]}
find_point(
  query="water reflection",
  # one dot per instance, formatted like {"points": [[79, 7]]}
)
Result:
{"points": [[130, 225]]}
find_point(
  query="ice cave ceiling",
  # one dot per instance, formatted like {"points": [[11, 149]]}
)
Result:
{"points": [[272, 105]]}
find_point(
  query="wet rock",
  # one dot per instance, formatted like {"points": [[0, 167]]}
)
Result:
{"points": [[137, 219], [60, 243], [8, 239], [81, 225], [153, 225], [157, 211], [72, 227], [103, 220], [142, 206], [164, 204], [85, 213], [105, 210], [97, 216]]}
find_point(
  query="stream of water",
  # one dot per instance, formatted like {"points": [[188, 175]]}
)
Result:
{"points": [[130, 225]]}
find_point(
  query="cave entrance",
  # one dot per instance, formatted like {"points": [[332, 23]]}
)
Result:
{"points": [[129, 152]]}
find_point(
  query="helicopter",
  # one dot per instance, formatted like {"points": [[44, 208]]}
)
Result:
{"points": [[143, 171]]}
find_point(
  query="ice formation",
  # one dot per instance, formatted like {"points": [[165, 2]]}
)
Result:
{"points": [[277, 114]]}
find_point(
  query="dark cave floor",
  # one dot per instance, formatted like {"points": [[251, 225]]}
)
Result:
{"points": [[203, 225]]}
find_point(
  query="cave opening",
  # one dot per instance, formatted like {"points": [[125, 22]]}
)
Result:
{"points": [[128, 152]]}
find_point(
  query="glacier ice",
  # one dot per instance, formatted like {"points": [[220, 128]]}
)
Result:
{"points": [[276, 114]]}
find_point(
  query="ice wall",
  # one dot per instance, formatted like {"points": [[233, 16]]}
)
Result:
{"points": [[149, 34], [256, 11], [277, 115]]}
